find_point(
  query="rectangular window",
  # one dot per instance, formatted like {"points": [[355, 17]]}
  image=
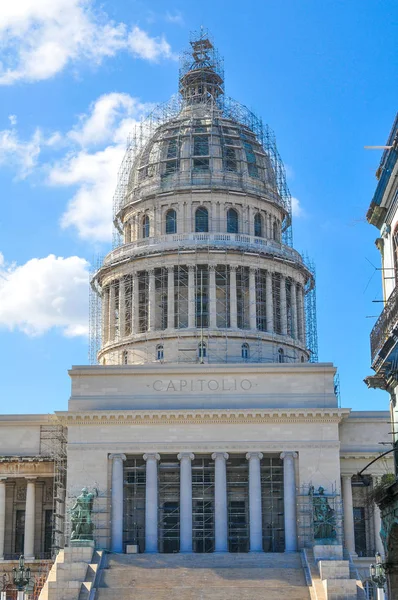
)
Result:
{"points": [[48, 530], [230, 162], [202, 297], [251, 160], [201, 164], [360, 530], [201, 145]]}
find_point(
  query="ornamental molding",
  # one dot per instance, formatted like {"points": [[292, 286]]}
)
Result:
{"points": [[185, 417], [134, 448]]}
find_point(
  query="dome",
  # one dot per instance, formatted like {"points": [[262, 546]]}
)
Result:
{"points": [[202, 148]]}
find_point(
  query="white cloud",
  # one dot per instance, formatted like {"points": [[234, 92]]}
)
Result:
{"points": [[297, 209], [13, 119], [175, 18], [38, 38], [45, 293], [21, 155], [143, 46], [94, 173]]}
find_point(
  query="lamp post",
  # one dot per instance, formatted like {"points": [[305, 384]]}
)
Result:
{"points": [[21, 577], [377, 575]]}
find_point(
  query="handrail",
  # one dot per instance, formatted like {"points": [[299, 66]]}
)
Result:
{"points": [[384, 324]]}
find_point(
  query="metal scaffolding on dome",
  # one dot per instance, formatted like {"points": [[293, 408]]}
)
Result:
{"points": [[173, 122]]}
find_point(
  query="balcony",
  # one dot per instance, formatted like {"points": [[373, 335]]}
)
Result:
{"points": [[384, 335]]}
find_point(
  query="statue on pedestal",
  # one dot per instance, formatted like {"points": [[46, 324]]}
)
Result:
{"points": [[80, 516], [324, 516]]}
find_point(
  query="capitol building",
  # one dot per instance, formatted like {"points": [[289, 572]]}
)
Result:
{"points": [[206, 424]]}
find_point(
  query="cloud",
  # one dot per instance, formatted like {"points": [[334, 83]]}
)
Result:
{"points": [[175, 18], [21, 155], [93, 163], [39, 38], [297, 209], [45, 293]]}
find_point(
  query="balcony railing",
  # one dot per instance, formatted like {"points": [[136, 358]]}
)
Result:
{"points": [[384, 327]]}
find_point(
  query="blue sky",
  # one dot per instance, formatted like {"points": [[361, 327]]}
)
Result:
{"points": [[74, 78]]}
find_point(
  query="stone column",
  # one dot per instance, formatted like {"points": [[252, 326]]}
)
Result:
{"points": [[191, 297], [289, 493], [256, 522], [283, 306], [212, 297], [269, 299], [105, 315], [185, 459], [117, 502], [233, 309], [300, 313], [134, 304], [349, 536], [29, 543], [151, 300], [377, 525], [293, 300], [2, 514], [122, 307], [220, 501], [252, 299], [151, 502], [170, 297], [111, 316]]}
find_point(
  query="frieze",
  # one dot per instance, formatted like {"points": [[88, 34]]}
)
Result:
{"points": [[202, 417]]}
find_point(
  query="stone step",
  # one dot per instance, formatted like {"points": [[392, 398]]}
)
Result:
{"points": [[203, 577]]}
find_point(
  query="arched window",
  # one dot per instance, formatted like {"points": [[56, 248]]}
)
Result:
{"points": [[159, 352], [201, 219], [302, 358], [145, 226], [202, 350], [281, 355], [171, 221], [125, 357], [245, 351], [127, 233], [258, 225], [275, 231], [232, 221]]}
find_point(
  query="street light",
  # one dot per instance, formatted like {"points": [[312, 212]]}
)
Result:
{"points": [[21, 577], [377, 575]]}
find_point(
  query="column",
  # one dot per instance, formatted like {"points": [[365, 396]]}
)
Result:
{"points": [[185, 459], [252, 299], [2, 514], [151, 502], [151, 300], [117, 502], [349, 536], [122, 307], [29, 543], [233, 307], [256, 523], [105, 316], [300, 313], [283, 306], [289, 493], [293, 300], [212, 297], [377, 525], [134, 305], [170, 297], [220, 501], [269, 299], [111, 317], [191, 297]]}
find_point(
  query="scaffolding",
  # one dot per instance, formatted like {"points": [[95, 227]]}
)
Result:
{"points": [[53, 442]]}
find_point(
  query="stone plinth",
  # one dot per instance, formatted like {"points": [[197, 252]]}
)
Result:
{"points": [[328, 552], [69, 572], [340, 589]]}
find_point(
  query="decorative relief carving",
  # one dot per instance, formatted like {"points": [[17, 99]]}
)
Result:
{"points": [[21, 493]]}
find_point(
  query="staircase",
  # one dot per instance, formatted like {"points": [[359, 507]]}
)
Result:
{"points": [[203, 577]]}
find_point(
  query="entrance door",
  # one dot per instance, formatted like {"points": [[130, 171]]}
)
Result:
{"points": [[170, 527], [203, 526]]}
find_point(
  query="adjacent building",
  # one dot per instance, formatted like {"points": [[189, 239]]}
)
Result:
{"points": [[383, 214]]}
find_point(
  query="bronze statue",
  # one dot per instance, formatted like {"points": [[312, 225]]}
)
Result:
{"points": [[80, 516], [324, 517]]}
